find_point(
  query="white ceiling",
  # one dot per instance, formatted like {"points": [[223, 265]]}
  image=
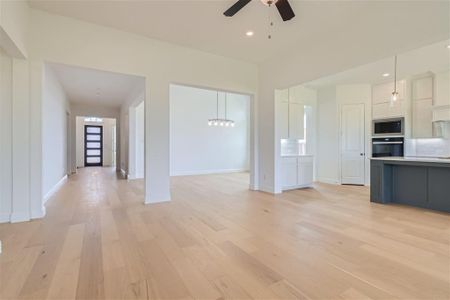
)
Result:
{"points": [[200, 24], [432, 58], [88, 86]]}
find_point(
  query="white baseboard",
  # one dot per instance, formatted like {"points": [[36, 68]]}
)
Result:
{"points": [[253, 187], [5, 217], [17, 217], [267, 189], [153, 198], [38, 214], [54, 189], [328, 180], [206, 172]]}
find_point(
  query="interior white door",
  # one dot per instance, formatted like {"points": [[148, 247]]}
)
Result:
{"points": [[352, 144]]}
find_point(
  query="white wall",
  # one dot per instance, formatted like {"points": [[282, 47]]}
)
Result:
{"points": [[14, 27], [140, 140], [5, 136], [55, 110], [195, 147], [128, 131], [328, 136], [158, 62], [107, 125]]}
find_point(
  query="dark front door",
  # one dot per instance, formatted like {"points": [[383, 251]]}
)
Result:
{"points": [[93, 145]]}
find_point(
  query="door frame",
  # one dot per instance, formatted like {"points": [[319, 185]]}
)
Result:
{"points": [[341, 133], [86, 164]]}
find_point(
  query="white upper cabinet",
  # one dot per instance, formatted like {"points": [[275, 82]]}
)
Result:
{"points": [[422, 88], [290, 112], [422, 125], [422, 107], [442, 89], [381, 93], [296, 121], [282, 110]]}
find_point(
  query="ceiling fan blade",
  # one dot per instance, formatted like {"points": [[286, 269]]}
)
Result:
{"points": [[236, 7], [285, 10]]}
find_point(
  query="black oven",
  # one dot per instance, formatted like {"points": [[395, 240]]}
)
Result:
{"points": [[389, 146], [388, 127]]}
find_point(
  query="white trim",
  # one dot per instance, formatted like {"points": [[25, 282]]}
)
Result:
{"points": [[253, 187], [17, 217], [150, 199], [38, 214], [5, 218], [268, 189], [205, 172], [329, 180], [53, 190]]}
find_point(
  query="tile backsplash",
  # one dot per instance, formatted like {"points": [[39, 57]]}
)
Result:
{"points": [[427, 147]]}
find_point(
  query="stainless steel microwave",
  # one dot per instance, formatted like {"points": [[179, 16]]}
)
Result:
{"points": [[388, 127]]}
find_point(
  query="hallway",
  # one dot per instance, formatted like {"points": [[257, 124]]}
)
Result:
{"points": [[216, 239]]}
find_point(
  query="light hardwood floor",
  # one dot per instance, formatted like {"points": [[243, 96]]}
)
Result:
{"points": [[218, 240]]}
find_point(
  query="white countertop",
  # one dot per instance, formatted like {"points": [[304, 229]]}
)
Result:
{"points": [[414, 158]]}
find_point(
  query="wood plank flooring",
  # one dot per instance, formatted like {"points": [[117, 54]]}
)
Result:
{"points": [[218, 240]]}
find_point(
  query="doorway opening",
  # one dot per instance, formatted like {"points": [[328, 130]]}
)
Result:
{"points": [[210, 133], [95, 142]]}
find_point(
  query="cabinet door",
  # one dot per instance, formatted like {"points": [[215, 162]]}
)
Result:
{"points": [[385, 110], [289, 172], [442, 89], [305, 171], [423, 88], [282, 119], [382, 93], [422, 123], [296, 121]]}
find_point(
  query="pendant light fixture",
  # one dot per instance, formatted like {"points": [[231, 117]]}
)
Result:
{"points": [[394, 96], [221, 122]]}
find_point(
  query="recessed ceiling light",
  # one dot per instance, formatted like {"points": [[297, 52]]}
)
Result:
{"points": [[448, 46], [249, 33], [386, 75]]}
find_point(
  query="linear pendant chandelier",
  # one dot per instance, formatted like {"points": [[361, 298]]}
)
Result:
{"points": [[221, 122]]}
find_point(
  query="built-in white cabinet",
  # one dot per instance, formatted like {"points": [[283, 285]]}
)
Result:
{"points": [[381, 100], [297, 172], [290, 114], [422, 107], [289, 172], [296, 121], [422, 125], [422, 88], [381, 93], [441, 103], [282, 119], [388, 110]]}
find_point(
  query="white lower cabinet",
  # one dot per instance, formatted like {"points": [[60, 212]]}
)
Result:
{"points": [[297, 172]]}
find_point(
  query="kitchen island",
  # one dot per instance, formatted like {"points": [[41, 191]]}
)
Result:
{"points": [[421, 182]]}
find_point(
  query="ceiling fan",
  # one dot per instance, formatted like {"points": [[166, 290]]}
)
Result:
{"points": [[283, 6]]}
